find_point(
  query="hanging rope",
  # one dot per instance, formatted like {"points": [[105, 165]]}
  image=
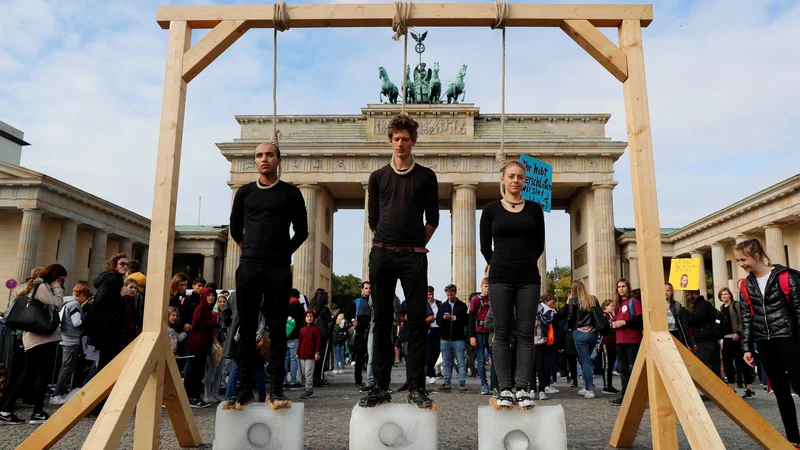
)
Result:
{"points": [[280, 19], [402, 12]]}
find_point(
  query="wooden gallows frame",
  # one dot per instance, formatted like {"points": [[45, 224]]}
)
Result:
{"points": [[144, 375]]}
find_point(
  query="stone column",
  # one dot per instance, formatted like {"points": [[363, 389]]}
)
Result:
{"points": [[604, 259], [126, 246], [633, 269], [209, 268], [542, 263], [305, 262], [232, 254], [718, 268], [98, 260], [774, 244], [702, 284], [367, 237], [145, 256], [740, 273], [66, 250], [463, 241], [28, 245]]}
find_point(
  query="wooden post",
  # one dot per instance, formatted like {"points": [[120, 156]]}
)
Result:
{"points": [[634, 404]]}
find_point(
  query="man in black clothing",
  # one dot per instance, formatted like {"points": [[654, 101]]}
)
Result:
{"points": [[359, 314], [260, 218], [701, 319], [434, 337], [400, 193]]}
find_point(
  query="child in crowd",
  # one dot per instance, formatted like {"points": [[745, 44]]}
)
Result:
{"points": [[340, 336], [175, 330], [71, 331], [308, 351], [608, 345]]}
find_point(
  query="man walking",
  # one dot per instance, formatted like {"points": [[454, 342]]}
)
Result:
{"points": [[260, 218], [400, 193], [360, 315]]}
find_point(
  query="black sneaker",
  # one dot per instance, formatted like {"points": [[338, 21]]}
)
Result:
{"points": [[617, 401], [375, 397], [297, 386], [365, 389], [286, 385], [462, 387], [359, 386], [229, 403], [308, 393], [37, 418], [195, 403], [403, 388], [610, 390], [444, 387], [10, 419], [749, 394], [420, 399], [244, 398]]}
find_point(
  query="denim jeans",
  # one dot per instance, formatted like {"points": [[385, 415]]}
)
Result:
{"points": [[449, 350], [370, 376], [584, 344], [338, 357], [482, 341], [233, 376], [291, 360]]}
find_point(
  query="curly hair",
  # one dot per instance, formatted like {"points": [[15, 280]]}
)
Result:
{"points": [[403, 122], [111, 264]]}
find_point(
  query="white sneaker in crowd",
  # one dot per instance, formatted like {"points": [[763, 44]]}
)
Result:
{"points": [[58, 399], [582, 392], [431, 380], [542, 396], [550, 390], [589, 394], [524, 399]]}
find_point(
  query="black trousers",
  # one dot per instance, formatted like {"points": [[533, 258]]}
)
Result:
{"points": [[386, 267], [361, 339], [708, 353], [319, 366], [781, 359], [626, 356], [195, 369], [733, 363], [38, 366], [609, 357], [506, 298], [434, 347], [262, 290]]}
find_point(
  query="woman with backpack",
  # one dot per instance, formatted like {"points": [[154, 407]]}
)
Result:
{"points": [[582, 321], [47, 288], [340, 337], [769, 300], [628, 325]]}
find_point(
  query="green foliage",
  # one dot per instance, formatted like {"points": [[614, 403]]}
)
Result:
{"points": [[345, 289], [559, 288]]}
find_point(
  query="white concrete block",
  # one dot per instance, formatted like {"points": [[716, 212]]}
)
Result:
{"points": [[393, 426], [542, 428], [257, 426]]}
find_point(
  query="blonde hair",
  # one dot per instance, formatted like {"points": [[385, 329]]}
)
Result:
{"points": [[340, 319], [585, 301]]}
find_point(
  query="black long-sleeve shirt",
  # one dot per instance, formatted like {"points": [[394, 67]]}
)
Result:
{"points": [[260, 218], [397, 203], [518, 242]]}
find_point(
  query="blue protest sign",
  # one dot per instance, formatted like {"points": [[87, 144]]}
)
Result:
{"points": [[539, 182]]}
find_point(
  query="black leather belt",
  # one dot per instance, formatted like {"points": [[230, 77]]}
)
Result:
{"points": [[401, 248]]}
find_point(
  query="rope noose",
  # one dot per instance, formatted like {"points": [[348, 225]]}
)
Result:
{"points": [[402, 12], [503, 9]]}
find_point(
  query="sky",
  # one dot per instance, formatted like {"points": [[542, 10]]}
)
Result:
{"points": [[83, 80]]}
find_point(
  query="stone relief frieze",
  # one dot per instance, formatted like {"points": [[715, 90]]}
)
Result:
{"points": [[429, 126]]}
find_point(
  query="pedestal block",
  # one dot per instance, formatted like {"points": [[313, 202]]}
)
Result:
{"points": [[258, 426], [542, 428], [393, 426]]}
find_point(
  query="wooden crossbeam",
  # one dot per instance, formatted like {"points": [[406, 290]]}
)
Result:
{"points": [[598, 46], [634, 404], [422, 15], [211, 46]]}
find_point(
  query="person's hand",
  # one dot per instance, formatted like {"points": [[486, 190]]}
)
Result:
{"points": [[473, 342], [452, 318], [187, 328], [536, 324], [240, 244], [58, 283], [316, 357], [735, 337], [748, 358]]}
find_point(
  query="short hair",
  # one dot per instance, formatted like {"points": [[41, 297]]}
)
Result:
{"points": [[135, 265], [131, 281], [294, 293], [272, 143], [670, 285], [365, 283], [52, 272], [402, 122], [224, 292], [199, 280], [513, 162], [431, 290], [81, 289], [485, 280], [450, 288], [608, 302], [211, 285], [547, 298], [111, 264]]}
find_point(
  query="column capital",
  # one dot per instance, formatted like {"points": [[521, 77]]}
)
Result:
{"points": [[32, 211], [773, 225], [365, 185], [69, 222], [234, 185], [604, 185], [699, 253], [718, 244], [741, 238], [473, 186], [308, 186], [100, 232]]}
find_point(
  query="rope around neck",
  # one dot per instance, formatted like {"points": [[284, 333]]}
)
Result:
{"points": [[280, 19], [402, 12], [403, 172]]}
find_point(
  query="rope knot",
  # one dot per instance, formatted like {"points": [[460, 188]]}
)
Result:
{"points": [[402, 12], [503, 9], [280, 17]]}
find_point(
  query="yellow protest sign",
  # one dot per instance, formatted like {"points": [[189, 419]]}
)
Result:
{"points": [[684, 274]]}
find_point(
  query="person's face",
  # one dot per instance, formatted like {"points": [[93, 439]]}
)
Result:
{"points": [[684, 281], [668, 291], [622, 289], [122, 266], [550, 302], [173, 317], [366, 290], [402, 143], [83, 298], [513, 179], [430, 297], [609, 308], [691, 295], [451, 295], [745, 261], [197, 287], [725, 297], [222, 301], [131, 289], [309, 318], [211, 298], [485, 289], [266, 159], [182, 286]]}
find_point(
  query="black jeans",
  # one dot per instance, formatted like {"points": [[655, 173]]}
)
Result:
{"points": [[39, 366], [265, 290], [609, 357], [735, 366], [319, 366], [195, 369], [506, 297], [434, 347], [708, 353], [781, 359], [360, 340], [626, 356], [386, 267]]}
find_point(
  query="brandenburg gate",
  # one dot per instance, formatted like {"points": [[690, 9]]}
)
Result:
{"points": [[330, 158]]}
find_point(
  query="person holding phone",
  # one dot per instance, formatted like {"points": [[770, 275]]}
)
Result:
{"points": [[452, 320]]}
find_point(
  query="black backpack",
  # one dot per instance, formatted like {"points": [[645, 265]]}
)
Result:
{"points": [[342, 335], [721, 324]]}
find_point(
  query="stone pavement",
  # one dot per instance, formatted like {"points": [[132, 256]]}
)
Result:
{"points": [[589, 422]]}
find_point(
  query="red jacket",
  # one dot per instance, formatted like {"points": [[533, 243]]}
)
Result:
{"points": [[310, 341], [204, 326], [631, 333]]}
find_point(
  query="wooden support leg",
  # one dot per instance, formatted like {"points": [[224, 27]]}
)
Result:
{"points": [[147, 432], [79, 405], [695, 421], [663, 426], [178, 409], [108, 428], [732, 405], [632, 409]]}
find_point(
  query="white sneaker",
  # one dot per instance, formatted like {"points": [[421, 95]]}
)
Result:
{"points": [[505, 399], [589, 394], [524, 399], [58, 399], [353, 363], [582, 392], [550, 390], [431, 380], [542, 396]]}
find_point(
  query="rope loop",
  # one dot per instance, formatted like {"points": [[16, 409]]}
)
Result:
{"points": [[402, 12], [503, 9], [280, 17]]}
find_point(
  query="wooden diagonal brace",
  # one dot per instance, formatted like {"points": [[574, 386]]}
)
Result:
{"points": [[599, 46], [177, 403], [213, 44], [634, 404]]}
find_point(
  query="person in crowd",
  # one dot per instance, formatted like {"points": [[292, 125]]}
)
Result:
{"points": [[359, 314], [177, 292], [400, 194], [214, 380], [769, 300], [308, 351], [512, 240], [204, 325], [402, 337], [130, 296], [175, 331], [296, 321], [322, 314], [340, 336], [433, 345], [71, 332], [701, 320], [48, 288], [569, 353], [628, 327], [105, 321], [452, 319], [479, 335], [677, 318], [544, 353], [189, 302], [732, 344], [231, 396], [608, 346], [581, 320], [135, 272]]}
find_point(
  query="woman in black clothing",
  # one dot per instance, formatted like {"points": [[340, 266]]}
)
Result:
{"points": [[732, 344], [769, 300], [323, 314], [516, 228], [105, 323]]}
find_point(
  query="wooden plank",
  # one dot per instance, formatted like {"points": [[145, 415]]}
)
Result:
{"points": [[695, 420], [726, 399], [69, 414], [165, 196], [633, 405], [113, 420], [147, 429], [643, 179], [422, 15], [213, 44], [178, 409], [663, 427], [598, 46]]}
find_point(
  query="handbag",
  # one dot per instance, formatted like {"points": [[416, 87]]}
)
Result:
{"points": [[32, 315], [599, 321], [263, 346]]}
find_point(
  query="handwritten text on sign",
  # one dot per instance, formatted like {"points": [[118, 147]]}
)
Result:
{"points": [[539, 182]]}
